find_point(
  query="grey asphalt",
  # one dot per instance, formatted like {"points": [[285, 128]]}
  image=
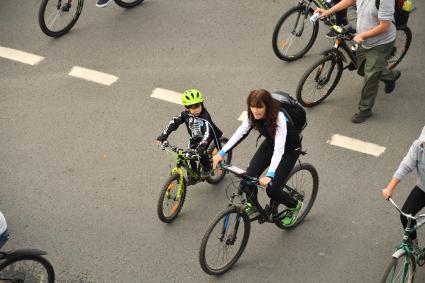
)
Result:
{"points": [[80, 173]]}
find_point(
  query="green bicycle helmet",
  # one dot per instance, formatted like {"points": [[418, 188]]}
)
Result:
{"points": [[192, 96]]}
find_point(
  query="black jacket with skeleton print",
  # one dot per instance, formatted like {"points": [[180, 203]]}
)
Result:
{"points": [[201, 129]]}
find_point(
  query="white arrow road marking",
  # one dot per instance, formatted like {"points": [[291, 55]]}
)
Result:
{"points": [[92, 75], [167, 95], [356, 145], [20, 56]]}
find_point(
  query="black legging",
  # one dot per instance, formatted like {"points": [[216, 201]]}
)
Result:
{"points": [[341, 16], [413, 204], [261, 160]]}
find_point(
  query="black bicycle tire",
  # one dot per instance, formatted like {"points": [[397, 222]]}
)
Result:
{"points": [[391, 263], [408, 33], [61, 32], [247, 230], [276, 33], [160, 212], [315, 176], [126, 5], [209, 180], [311, 69], [43, 261]]}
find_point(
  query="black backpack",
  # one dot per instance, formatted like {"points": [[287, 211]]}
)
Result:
{"points": [[293, 111], [400, 16]]}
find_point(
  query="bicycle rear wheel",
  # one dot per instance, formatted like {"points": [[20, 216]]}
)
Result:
{"points": [[171, 198], [27, 268], [57, 17], [128, 3], [401, 45], [319, 81], [399, 270], [294, 34], [223, 243], [304, 184], [218, 174]]}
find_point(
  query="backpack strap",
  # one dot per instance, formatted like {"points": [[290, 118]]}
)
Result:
{"points": [[287, 116]]}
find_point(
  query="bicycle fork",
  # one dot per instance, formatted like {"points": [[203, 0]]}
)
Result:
{"points": [[230, 240]]}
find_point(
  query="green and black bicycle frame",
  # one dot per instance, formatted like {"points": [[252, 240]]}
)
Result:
{"points": [[183, 161]]}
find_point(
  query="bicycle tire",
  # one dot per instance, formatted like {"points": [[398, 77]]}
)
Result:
{"points": [[176, 206], [401, 46], [276, 43], [295, 177], [68, 25], [128, 4], [205, 264], [14, 274], [227, 160], [320, 82], [391, 273]]}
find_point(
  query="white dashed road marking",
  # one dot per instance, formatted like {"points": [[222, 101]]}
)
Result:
{"points": [[167, 95], [356, 145], [243, 116], [20, 56], [92, 75]]}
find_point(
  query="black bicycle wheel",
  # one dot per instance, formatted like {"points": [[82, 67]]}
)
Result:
{"points": [[319, 81], [57, 17], [224, 241], [304, 181], [294, 34], [128, 3], [394, 270], [170, 202], [401, 45], [27, 268], [218, 174]]}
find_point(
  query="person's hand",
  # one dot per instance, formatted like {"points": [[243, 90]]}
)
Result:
{"points": [[160, 139], [264, 181], [387, 193], [216, 159], [358, 39], [323, 12]]}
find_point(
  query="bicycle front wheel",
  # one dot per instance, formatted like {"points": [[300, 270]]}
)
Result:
{"points": [[399, 270], [171, 198], [218, 174], [57, 17], [128, 3], [319, 81], [27, 268], [401, 45], [294, 34], [303, 183], [224, 241]]}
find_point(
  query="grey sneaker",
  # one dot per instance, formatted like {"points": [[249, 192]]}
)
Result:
{"points": [[102, 3]]}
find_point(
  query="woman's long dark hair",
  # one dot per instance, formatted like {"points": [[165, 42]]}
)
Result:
{"points": [[262, 98]]}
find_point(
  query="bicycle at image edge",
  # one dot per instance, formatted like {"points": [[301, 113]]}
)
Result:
{"points": [[57, 17], [402, 265], [173, 192], [227, 235], [321, 78]]}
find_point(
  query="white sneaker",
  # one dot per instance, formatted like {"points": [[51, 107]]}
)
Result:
{"points": [[102, 3]]}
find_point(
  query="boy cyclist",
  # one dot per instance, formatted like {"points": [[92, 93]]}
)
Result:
{"points": [[201, 129]]}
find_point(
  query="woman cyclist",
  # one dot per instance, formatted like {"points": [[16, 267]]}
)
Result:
{"points": [[414, 160], [279, 151]]}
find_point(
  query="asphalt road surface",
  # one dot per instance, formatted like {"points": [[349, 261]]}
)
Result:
{"points": [[80, 172]]}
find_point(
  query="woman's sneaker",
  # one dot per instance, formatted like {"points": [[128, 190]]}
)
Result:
{"points": [[251, 210], [292, 214]]}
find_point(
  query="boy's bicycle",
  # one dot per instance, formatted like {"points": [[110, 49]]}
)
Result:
{"points": [[185, 173], [25, 265], [402, 265], [318, 82], [227, 236], [57, 17], [294, 33]]}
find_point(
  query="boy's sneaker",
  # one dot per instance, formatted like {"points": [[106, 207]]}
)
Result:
{"points": [[205, 173], [102, 3], [331, 34], [251, 210], [292, 214]]}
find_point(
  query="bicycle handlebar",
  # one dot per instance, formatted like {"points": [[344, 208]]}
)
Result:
{"points": [[188, 152], [238, 172], [404, 214]]}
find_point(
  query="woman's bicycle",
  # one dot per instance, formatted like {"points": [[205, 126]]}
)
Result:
{"points": [[294, 33], [227, 236], [185, 173], [25, 265], [402, 265], [321, 78], [57, 17]]}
